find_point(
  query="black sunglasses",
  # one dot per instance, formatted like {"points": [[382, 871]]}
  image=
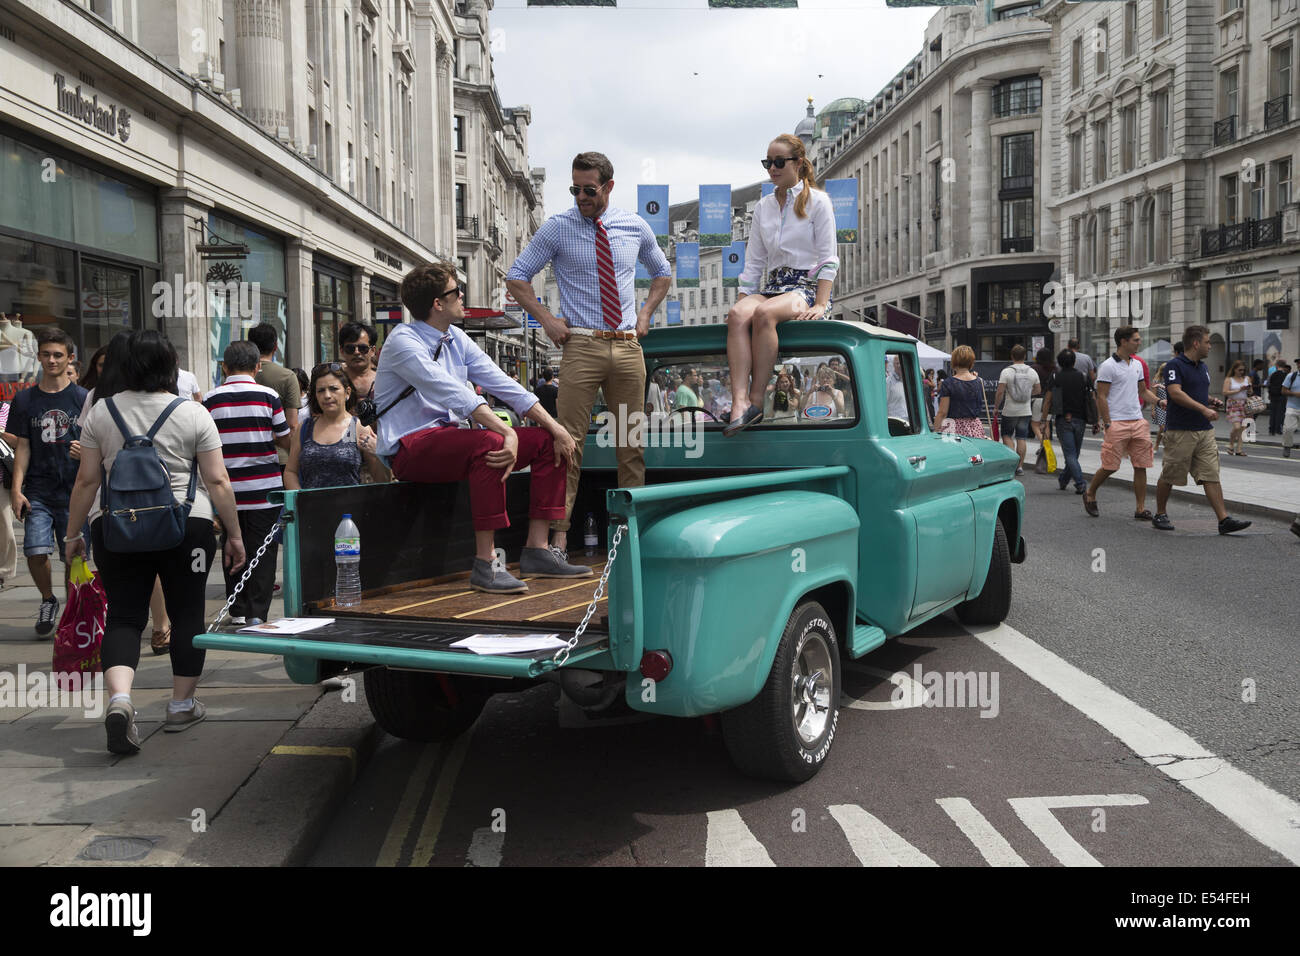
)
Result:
{"points": [[356, 348], [457, 290], [587, 191], [777, 161]]}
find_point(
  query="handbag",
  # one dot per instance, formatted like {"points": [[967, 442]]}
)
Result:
{"points": [[1048, 451], [81, 628], [1255, 405], [1092, 417]]}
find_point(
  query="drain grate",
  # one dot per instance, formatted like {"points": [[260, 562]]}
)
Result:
{"points": [[118, 849]]}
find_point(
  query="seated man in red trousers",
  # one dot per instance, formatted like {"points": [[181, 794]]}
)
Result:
{"points": [[425, 387]]}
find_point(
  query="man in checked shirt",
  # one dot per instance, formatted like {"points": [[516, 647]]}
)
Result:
{"points": [[594, 248]]}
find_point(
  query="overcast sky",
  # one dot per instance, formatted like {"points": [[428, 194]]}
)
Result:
{"points": [[676, 93]]}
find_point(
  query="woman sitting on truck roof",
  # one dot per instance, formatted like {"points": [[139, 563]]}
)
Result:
{"points": [[962, 402], [331, 445], [790, 265]]}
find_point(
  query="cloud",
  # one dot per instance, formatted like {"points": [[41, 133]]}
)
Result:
{"points": [[675, 92]]}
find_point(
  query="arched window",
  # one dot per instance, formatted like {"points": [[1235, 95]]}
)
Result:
{"points": [[1147, 229]]}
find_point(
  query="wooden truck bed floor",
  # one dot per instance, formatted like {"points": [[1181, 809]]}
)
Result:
{"points": [[553, 603]]}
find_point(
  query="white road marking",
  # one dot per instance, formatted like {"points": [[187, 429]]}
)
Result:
{"points": [[1036, 813], [992, 845], [1258, 809], [485, 848], [730, 843], [873, 843], [914, 695]]}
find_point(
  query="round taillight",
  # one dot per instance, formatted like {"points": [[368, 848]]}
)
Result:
{"points": [[656, 665]]}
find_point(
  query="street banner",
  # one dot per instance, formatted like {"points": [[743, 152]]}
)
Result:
{"points": [[688, 265], [642, 275], [844, 200], [674, 312], [733, 264], [652, 205], [766, 189], [715, 216]]}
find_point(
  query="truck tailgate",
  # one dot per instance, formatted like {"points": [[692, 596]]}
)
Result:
{"points": [[417, 645]]}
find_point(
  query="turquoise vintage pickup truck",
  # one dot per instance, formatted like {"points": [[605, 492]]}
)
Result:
{"points": [[736, 581]]}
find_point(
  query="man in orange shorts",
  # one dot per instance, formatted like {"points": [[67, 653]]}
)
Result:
{"points": [[1121, 389]]}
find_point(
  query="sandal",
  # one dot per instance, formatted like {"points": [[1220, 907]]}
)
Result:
{"points": [[161, 641], [1142, 515]]}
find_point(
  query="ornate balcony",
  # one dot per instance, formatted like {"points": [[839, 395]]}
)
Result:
{"points": [[1277, 112], [1240, 236], [1225, 130]]}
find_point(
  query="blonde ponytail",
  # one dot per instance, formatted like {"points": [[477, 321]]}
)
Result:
{"points": [[805, 174]]}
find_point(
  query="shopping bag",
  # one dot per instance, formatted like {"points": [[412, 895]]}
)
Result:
{"points": [[1050, 454], [81, 628]]}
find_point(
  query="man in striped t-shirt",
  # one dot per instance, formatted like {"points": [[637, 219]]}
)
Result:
{"points": [[251, 421]]}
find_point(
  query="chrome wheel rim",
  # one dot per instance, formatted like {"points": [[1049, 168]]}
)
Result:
{"points": [[811, 680]]}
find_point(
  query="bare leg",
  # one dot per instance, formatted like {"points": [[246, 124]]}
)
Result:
{"points": [[183, 687], [158, 609], [118, 679], [1021, 448], [1214, 495], [485, 544], [1140, 489], [1163, 490], [39, 566], [777, 309], [739, 355], [537, 528], [1098, 479]]}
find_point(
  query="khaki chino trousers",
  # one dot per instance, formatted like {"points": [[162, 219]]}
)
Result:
{"points": [[617, 366]]}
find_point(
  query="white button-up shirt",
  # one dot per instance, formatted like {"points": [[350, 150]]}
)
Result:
{"points": [[779, 238], [441, 396]]}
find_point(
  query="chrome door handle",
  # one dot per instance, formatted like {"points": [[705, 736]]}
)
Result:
{"points": [[916, 459]]}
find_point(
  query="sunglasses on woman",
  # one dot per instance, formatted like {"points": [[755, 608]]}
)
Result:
{"points": [[325, 368], [588, 191], [356, 348], [777, 161]]}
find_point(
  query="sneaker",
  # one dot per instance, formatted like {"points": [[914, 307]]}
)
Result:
{"points": [[549, 563], [240, 621], [1161, 522], [1019, 472], [119, 725], [1231, 524], [184, 719], [49, 613], [1091, 507], [494, 580]]}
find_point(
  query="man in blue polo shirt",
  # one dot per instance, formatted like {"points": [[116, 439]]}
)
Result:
{"points": [[1189, 432]]}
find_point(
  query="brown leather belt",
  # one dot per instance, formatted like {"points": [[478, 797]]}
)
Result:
{"points": [[605, 333]]}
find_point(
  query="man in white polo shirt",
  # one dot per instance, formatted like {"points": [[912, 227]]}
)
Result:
{"points": [[1121, 389]]}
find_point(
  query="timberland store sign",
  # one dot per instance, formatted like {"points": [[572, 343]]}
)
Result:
{"points": [[108, 119]]}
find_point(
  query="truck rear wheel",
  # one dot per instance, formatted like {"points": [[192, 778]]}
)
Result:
{"points": [[994, 601], [418, 705], [785, 733]]}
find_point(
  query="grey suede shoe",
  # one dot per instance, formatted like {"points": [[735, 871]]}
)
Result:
{"points": [[494, 580], [185, 719], [549, 563], [119, 724]]}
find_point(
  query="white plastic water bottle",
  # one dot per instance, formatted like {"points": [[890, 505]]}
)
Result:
{"points": [[347, 564], [590, 535]]}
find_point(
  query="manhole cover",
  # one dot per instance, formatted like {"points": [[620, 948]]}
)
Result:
{"points": [[118, 849]]}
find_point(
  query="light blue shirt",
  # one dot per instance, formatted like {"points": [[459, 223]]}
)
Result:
{"points": [[568, 239], [1292, 381], [441, 396]]}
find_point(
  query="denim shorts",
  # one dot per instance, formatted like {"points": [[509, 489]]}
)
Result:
{"points": [[45, 528], [1015, 426]]}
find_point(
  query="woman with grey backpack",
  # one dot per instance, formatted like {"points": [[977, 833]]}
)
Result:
{"points": [[151, 518]]}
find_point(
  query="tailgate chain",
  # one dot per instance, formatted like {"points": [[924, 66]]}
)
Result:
{"points": [[279, 523], [562, 655]]}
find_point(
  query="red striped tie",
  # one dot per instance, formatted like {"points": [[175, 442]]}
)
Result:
{"points": [[609, 299]]}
